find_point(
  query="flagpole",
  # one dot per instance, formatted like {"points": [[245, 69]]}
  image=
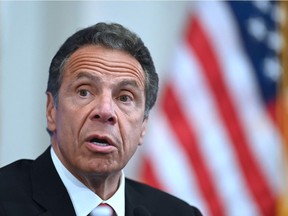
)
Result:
{"points": [[282, 109]]}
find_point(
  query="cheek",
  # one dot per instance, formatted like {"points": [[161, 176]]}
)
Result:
{"points": [[131, 134], [68, 121]]}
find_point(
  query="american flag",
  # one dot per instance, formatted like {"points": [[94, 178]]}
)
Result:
{"points": [[213, 140]]}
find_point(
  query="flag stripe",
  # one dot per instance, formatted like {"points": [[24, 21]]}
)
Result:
{"points": [[187, 138], [239, 76], [214, 101], [170, 162], [199, 43], [198, 105], [149, 175]]}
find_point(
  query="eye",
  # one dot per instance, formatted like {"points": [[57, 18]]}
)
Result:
{"points": [[83, 92], [125, 98]]}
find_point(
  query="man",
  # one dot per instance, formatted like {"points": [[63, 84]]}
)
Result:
{"points": [[102, 85]]}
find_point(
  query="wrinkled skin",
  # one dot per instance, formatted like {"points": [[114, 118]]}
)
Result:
{"points": [[99, 121]]}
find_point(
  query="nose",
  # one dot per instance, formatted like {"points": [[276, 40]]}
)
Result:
{"points": [[103, 110]]}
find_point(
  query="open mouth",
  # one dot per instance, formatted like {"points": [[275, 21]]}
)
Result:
{"points": [[99, 142]]}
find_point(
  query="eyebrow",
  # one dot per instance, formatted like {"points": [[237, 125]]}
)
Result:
{"points": [[128, 82], [95, 79]]}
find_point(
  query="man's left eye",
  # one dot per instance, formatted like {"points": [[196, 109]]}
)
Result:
{"points": [[124, 98], [83, 92]]}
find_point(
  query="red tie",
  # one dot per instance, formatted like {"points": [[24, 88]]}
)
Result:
{"points": [[102, 210]]}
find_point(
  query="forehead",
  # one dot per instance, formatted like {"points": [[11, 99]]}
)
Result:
{"points": [[104, 61]]}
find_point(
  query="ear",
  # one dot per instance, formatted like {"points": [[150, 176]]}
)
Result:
{"points": [[143, 131], [50, 112]]}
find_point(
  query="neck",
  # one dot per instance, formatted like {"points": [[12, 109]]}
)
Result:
{"points": [[103, 186]]}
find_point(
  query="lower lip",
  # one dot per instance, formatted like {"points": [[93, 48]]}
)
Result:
{"points": [[100, 149]]}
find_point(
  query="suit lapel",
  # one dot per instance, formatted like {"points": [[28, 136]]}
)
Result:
{"points": [[50, 193], [133, 198], [48, 189], [129, 205]]}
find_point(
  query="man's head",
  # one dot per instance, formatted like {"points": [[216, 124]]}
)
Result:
{"points": [[113, 36], [102, 84]]}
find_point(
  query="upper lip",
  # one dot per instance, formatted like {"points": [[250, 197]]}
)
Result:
{"points": [[101, 137]]}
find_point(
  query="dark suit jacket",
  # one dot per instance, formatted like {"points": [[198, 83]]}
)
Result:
{"points": [[30, 188]]}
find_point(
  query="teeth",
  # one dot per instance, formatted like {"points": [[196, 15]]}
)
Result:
{"points": [[100, 144]]}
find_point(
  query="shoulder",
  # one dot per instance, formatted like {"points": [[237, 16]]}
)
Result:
{"points": [[17, 168], [15, 177], [20, 169], [167, 204]]}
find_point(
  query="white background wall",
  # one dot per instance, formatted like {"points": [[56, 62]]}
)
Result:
{"points": [[31, 33]]}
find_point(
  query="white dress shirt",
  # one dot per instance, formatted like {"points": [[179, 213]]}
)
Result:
{"points": [[83, 199]]}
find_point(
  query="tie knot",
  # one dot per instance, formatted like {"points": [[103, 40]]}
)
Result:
{"points": [[102, 209]]}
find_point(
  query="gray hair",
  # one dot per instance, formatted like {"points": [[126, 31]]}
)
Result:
{"points": [[113, 36]]}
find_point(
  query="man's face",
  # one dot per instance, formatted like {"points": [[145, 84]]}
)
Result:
{"points": [[99, 120]]}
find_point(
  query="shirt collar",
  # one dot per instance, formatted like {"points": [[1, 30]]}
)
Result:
{"points": [[83, 199]]}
